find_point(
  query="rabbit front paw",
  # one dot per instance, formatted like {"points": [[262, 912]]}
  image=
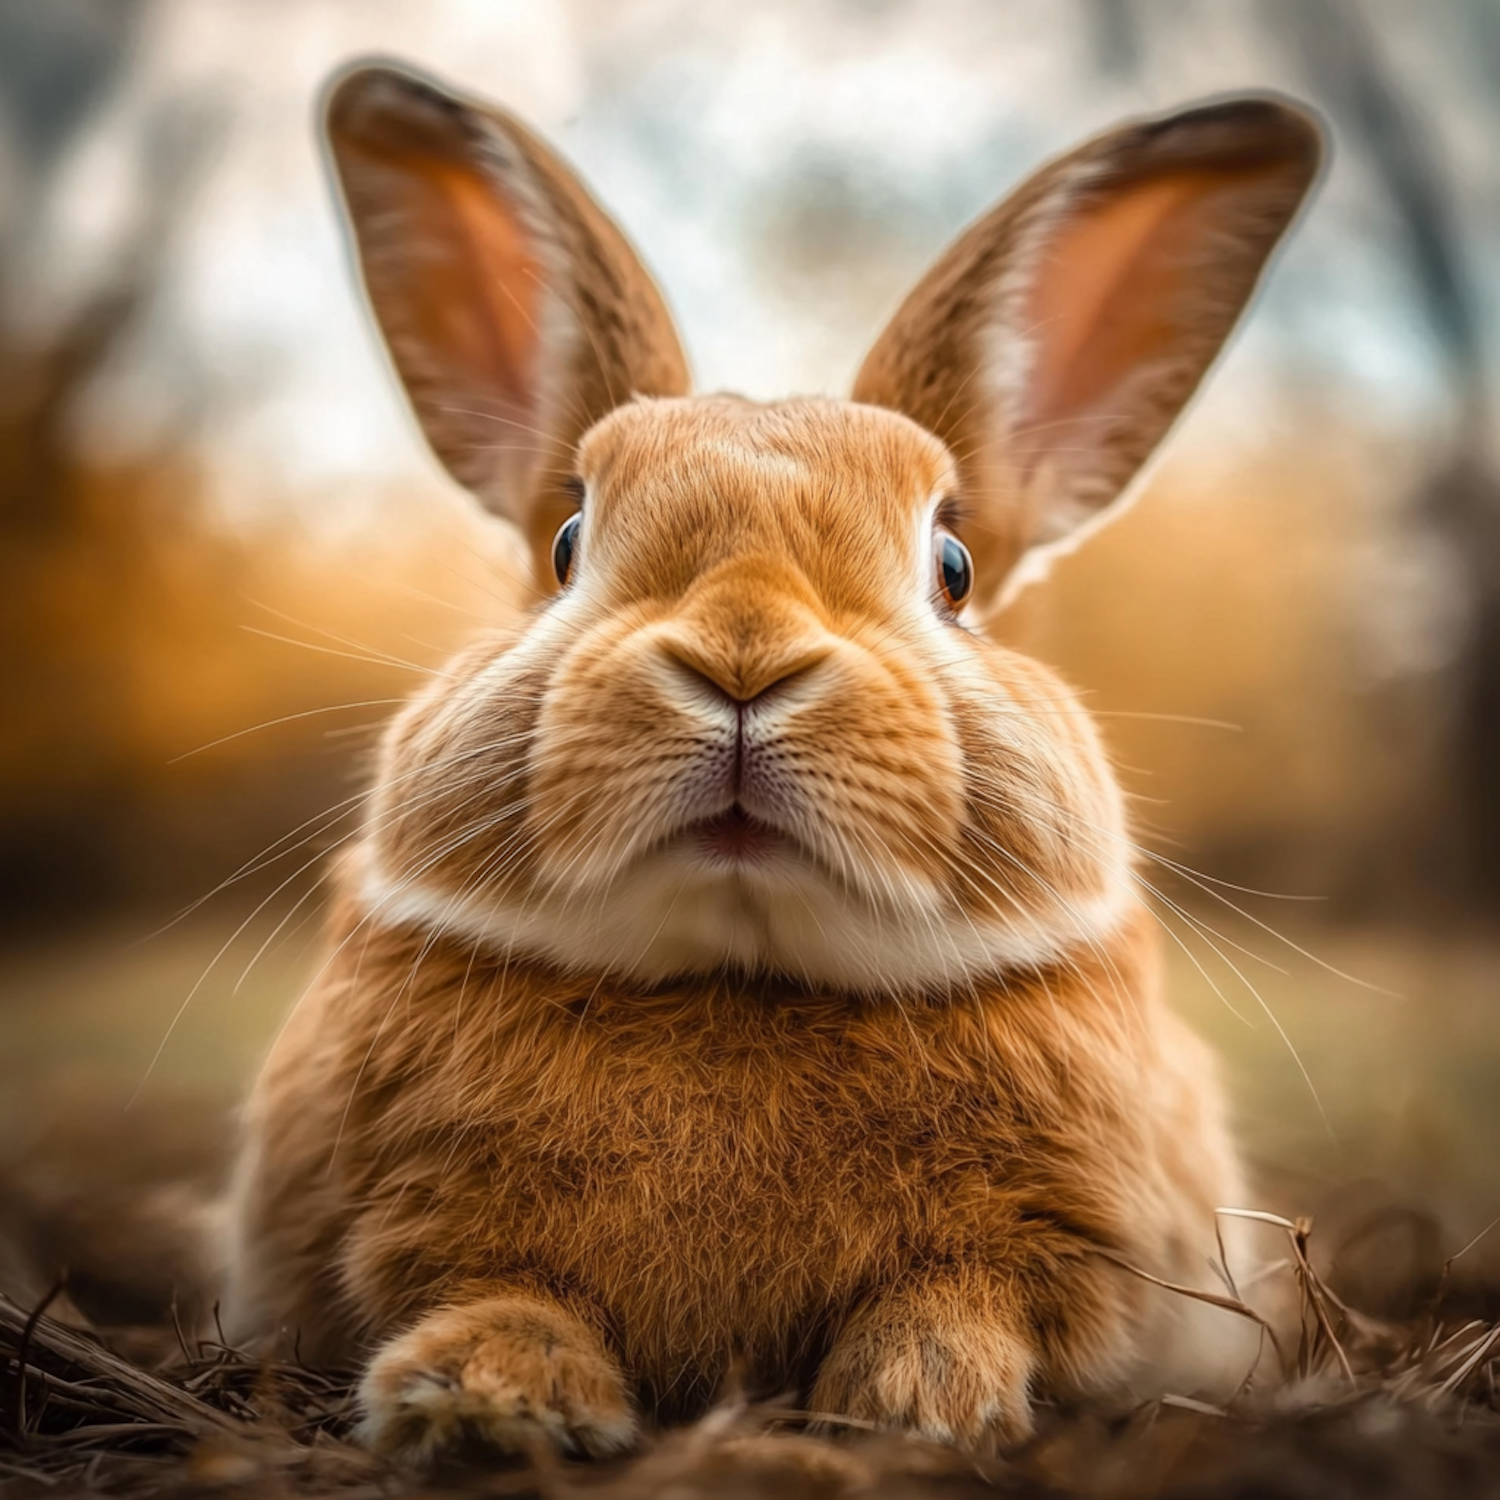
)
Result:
{"points": [[933, 1371], [502, 1374]]}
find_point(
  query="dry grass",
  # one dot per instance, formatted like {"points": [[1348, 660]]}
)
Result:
{"points": [[1367, 1406]]}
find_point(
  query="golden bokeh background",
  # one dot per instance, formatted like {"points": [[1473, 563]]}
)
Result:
{"points": [[224, 554]]}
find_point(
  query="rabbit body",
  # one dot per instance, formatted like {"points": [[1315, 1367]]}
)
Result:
{"points": [[740, 977], [896, 1209]]}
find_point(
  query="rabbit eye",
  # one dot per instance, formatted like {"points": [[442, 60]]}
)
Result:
{"points": [[954, 568], [564, 545]]}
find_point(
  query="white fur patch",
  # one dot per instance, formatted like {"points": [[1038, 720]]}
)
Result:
{"points": [[673, 915]]}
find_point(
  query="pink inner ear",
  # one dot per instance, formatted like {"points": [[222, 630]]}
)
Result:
{"points": [[455, 278], [1120, 287], [481, 302]]}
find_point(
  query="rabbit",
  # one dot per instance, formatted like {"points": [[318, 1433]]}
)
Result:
{"points": [[739, 980]]}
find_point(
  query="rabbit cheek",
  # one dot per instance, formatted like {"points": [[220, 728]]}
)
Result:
{"points": [[450, 818], [893, 809], [1045, 826], [607, 754]]}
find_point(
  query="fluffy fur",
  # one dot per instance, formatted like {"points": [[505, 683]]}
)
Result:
{"points": [[740, 975], [896, 1208], [754, 600]]}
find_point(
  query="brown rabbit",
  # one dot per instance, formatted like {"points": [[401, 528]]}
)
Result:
{"points": [[741, 967]]}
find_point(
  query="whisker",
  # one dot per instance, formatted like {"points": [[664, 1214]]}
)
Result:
{"points": [[337, 639], [307, 713], [375, 661]]}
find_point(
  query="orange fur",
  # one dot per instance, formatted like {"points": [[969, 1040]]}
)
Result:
{"points": [[596, 1106], [744, 1174]]}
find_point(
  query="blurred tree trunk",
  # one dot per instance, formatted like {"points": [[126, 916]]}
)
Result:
{"points": [[1337, 49], [73, 547]]}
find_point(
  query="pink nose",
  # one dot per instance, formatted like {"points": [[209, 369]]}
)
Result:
{"points": [[747, 629], [745, 678]]}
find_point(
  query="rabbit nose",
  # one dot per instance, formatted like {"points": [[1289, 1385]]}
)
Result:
{"points": [[744, 678], [746, 633]]}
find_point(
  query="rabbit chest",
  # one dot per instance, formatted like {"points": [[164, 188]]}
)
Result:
{"points": [[721, 1171]]}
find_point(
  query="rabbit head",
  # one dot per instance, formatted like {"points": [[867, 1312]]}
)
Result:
{"points": [[752, 722]]}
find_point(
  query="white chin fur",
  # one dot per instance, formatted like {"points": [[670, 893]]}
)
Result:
{"points": [[670, 916]]}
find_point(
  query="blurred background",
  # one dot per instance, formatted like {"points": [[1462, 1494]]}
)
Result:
{"points": [[225, 554]]}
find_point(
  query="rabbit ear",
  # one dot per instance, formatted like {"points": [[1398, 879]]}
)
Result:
{"points": [[1056, 341], [515, 311]]}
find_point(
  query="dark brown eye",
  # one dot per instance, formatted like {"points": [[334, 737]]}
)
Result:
{"points": [[954, 568], [564, 546]]}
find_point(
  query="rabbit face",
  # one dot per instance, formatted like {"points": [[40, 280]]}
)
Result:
{"points": [[752, 733]]}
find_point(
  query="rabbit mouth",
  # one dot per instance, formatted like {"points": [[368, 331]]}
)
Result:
{"points": [[737, 837]]}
